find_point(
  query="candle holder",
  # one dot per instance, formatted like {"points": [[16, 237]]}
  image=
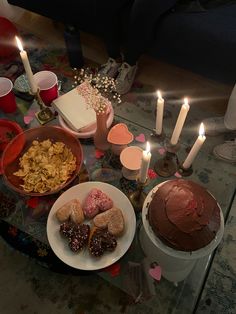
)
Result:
{"points": [[172, 148], [111, 160], [45, 114], [167, 166], [129, 174], [185, 172], [157, 138], [138, 197]]}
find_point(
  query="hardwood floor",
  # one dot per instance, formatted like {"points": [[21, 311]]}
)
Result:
{"points": [[203, 92]]}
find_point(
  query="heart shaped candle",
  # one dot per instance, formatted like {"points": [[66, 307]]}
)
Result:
{"points": [[120, 135]]}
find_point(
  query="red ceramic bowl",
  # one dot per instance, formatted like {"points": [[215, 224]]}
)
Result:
{"points": [[55, 134], [8, 130]]}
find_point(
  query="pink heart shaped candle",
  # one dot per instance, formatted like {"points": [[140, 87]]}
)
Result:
{"points": [[120, 135]]}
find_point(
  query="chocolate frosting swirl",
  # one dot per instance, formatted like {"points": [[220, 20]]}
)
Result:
{"points": [[184, 215]]}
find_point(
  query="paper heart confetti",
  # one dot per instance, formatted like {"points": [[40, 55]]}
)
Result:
{"points": [[161, 151], [155, 273], [114, 269], [28, 119], [178, 175], [119, 134], [99, 154], [152, 174], [33, 202], [140, 138], [29, 116]]}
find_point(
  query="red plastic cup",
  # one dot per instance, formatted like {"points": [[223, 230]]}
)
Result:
{"points": [[7, 97], [48, 84]]}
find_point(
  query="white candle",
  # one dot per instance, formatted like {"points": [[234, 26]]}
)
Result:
{"points": [[28, 71], [196, 147], [159, 114], [180, 122], [146, 157]]}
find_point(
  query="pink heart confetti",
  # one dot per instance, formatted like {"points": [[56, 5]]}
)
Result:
{"points": [[140, 138], [161, 151], [28, 119], [29, 116], [155, 273], [178, 175]]}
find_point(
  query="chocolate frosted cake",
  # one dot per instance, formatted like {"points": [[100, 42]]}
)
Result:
{"points": [[183, 215]]}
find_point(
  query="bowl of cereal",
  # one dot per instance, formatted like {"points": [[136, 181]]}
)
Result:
{"points": [[49, 160]]}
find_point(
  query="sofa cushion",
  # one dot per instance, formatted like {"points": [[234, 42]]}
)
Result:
{"points": [[203, 42]]}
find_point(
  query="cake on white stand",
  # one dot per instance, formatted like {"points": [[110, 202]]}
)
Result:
{"points": [[176, 265]]}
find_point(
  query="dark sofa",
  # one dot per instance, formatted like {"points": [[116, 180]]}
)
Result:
{"points": [[203, 42]]}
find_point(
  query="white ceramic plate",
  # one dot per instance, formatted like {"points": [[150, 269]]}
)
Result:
{"points": [[83, 260], [170, 251]]}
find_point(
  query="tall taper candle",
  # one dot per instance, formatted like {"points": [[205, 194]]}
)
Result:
{"points": [[159, 113], [146, 157], [180, 122], [28, 71], [196, 147]]}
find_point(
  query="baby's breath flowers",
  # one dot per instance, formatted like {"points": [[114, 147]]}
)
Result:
{"points": [[98, 90]]}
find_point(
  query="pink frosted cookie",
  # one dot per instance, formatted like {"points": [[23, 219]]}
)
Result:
{"points": [[95, 202]]}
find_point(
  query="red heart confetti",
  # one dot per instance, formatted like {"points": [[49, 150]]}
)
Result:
{"points": [[152, 174], [99, 154], [114, 269], [33, 202]]}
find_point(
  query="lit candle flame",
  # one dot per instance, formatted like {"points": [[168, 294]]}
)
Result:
{"points": [[19, 44], [201, 130], [186, 101], [148, 147], [159, 94]]}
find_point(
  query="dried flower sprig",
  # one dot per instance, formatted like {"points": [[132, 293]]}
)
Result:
{"points": [[92, 97], [102, 91]]}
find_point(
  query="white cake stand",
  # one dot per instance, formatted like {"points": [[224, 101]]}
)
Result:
{"points": [[175, 265]]}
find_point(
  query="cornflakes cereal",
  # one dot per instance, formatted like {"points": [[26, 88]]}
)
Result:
{"points": [[46, 166]]}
